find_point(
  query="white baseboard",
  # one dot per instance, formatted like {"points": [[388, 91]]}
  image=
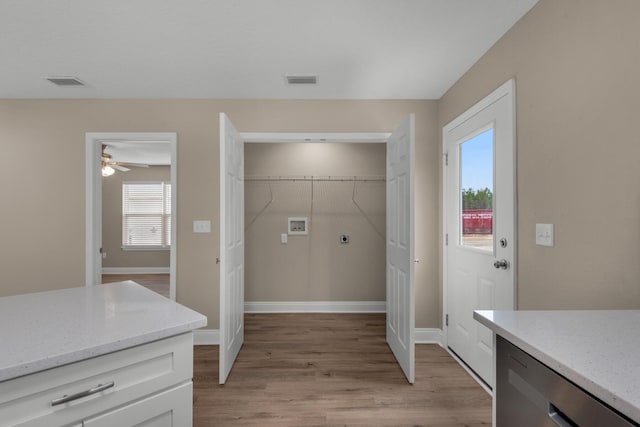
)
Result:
{"points": [[206, 337], [212, 336], [428, 336], [135, 270], [470, 372], [315, 307]]}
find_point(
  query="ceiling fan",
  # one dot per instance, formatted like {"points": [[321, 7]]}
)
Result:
{"points": [[109, 166]]}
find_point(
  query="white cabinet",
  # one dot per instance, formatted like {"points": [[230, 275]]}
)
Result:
{"points": [[165, 409], [151, 387]]}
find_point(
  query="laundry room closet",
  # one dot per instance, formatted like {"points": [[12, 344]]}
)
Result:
{"points": [[315, 224]]}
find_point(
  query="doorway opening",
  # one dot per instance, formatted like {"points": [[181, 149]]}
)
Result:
{"points": [[131, 209], [334, 193], [400, 291]]}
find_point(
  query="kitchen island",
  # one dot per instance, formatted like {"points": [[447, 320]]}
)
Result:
{"points": [[116, 354], [597, 351]]}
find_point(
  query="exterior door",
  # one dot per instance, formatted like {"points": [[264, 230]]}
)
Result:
{"points": [[480, 244], [231, 245], [400, 246]]}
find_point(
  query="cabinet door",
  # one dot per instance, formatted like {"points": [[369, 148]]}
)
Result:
{"points": [[170, 408]]}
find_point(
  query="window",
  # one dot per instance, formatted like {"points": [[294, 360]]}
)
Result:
{"points": [[476, 187], [146, 215]]}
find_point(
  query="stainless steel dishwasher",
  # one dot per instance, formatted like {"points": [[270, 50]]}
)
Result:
{"points": [[530, 394]]}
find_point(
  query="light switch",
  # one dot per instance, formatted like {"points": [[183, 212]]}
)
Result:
{"points": [[283, 238], [544, 234], [202, 226]]}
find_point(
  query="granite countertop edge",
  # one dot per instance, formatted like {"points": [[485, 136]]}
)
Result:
{"points": [[71, 340]]}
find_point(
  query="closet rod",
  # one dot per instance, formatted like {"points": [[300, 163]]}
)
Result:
{"points": [[318, 179]]}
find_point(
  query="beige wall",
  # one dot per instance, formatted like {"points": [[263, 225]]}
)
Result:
{"points": [[112, 220], [577, 67], [316, 266], [43, 248]]}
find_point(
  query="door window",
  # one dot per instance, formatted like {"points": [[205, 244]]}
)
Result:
{"points": [[476, 191]]}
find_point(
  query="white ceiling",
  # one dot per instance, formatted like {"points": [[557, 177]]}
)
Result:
{"points": [[359, 49]]}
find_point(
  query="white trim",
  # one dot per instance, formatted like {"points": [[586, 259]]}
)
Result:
{"points": [[470, 372], [93, 197], [428, 336], [288, 137], [423, 336], [212, 336], [93, 215], [206, 337], [136, 270], [507, 88], [315, 307]]}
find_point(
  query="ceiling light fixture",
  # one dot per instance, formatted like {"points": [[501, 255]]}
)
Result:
{"points": [[108, 170]]}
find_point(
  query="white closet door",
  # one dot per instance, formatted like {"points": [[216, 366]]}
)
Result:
{"points": [[400, 246], [231, 245]]}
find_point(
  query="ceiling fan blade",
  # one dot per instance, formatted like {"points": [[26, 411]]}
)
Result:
{"points": [[135, 165], [119, 167]]}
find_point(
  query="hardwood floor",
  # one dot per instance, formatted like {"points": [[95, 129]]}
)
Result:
{"points": [[332, 370], [156, 282]]}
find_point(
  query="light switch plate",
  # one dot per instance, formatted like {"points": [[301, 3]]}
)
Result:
{"points": [[202, 226], [283, 238], [544, 234]]}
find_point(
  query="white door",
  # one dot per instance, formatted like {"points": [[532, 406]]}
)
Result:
{"points": [[479, 149], [400, 246], [231, 245]]}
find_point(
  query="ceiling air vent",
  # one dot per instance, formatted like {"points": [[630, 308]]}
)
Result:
{"points": [[302, 80], [66, 81]]}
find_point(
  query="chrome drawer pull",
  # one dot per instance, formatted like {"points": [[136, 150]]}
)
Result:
{"points": [[558, 417], [96, 389]]}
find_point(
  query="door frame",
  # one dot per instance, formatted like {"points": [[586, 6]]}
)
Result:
{"points": [[506, 89], [93, 199], [284, 137]]}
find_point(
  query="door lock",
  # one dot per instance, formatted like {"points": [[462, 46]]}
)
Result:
{"points": [[501, 263]]}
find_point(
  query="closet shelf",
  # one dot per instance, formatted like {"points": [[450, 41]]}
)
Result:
{"points": [[372, 178]]}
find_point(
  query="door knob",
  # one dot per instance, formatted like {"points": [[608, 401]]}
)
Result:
{"points": [[501, 263]]}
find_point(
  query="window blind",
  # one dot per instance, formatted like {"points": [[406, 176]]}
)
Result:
{"points": [[146, 214]]}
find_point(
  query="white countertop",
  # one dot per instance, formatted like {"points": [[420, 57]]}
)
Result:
{"points": [[597, 350], [48, 329]]}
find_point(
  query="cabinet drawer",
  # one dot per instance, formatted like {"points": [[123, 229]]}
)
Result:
{"points": [[171, 408], [135, 372]]}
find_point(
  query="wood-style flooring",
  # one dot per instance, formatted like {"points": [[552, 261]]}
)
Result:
{"points": [[332, 370], [156, 282]]}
